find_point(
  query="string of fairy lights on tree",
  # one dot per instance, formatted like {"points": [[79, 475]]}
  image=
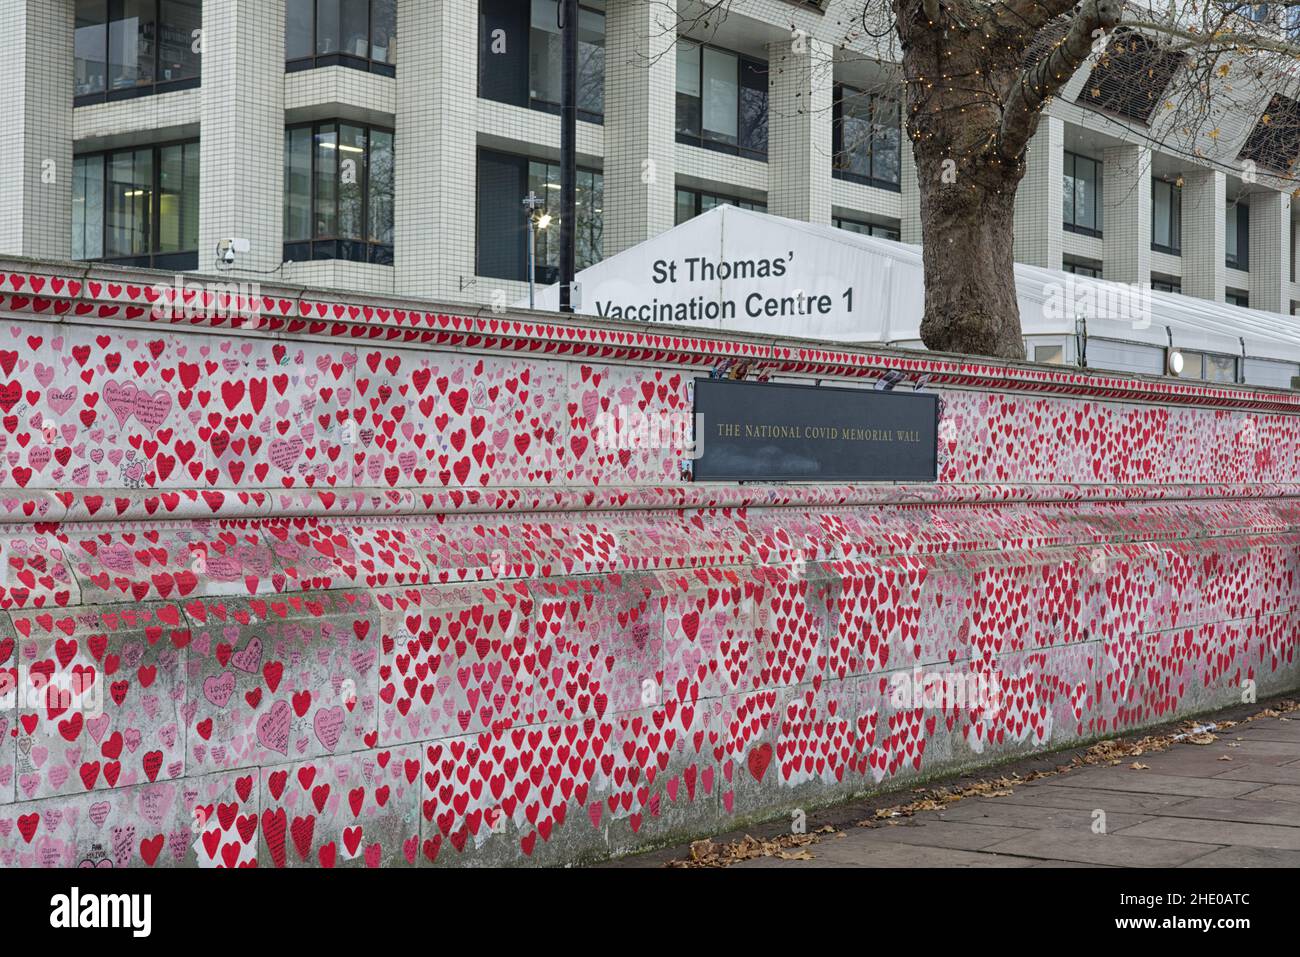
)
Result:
{"points": [[920, 93]]}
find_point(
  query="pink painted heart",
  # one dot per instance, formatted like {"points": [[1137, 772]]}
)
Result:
{"points": [[273, 728], [328, 725]]}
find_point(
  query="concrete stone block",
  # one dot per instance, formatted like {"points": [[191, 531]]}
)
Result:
{"points": [[35, 574], [455, 659], [101, 692], [287, 677], [204, 821], [358, 810]]}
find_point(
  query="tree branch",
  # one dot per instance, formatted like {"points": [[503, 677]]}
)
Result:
{"points": [[1044, 78], [1028, 16], [1221, 40]]}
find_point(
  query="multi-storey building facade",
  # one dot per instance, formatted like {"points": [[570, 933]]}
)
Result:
{"points": [[386, 145]]}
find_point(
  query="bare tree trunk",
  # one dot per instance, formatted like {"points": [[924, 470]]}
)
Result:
{"points": [[970, 288], [973, 103]]}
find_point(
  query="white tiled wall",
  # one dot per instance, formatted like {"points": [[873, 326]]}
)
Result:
{"points": [[1204, 212], [241, 143], [640, 91], [1126, 237], [1038, 200], [437, 115], [1270, 251], [36, 117], [801, 82]]}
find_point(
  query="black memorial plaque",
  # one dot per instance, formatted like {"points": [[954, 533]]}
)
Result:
{"points": [[774, 432]]}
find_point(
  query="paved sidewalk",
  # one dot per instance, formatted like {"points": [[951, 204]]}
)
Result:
{"points": [[1234, 802]]}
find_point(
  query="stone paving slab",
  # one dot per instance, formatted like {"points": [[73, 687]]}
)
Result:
{"points": [[1278, 792], [1121, 778], [1204, 766], [1031, 816], [931, 832], [1213, 760], [1245, 810], [1247, 857], [1263, 775], [1120, 850], [1261, 750], [1273, 731], [1199, 830], [1056, 796]]}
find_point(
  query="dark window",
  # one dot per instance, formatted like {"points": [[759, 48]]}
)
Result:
{"points": [[721, 100], [882, 230], [520, 56], [1166, 285], [503, 181], [1081, 195], [1236, 239], [691, 203], [1166, 217], [138, 207], [545, 60], [867, 138], [338, 193], [1130, 77], [1274, 143], [1082, 267], [129, 48], [1236, 297], [359, 34]]}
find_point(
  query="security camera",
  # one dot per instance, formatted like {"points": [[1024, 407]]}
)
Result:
{"points": [[227, 249]]}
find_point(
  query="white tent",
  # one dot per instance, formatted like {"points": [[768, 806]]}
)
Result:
{"points": [[735, 269]]}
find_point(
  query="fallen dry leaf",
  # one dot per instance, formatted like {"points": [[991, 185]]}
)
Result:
{"points": [[707, 853]]}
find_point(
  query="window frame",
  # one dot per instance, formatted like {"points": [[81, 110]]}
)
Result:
{"points": [[318, 61], [182, 260], [699, 139], [513, 17], [546, 274], [546, 106], [1205, 360], [837, 141], [523, 164], [1071, 160], [155, 86], [1241, 220], [723, 199], [1175, 217], [319, 248], [895, 232], [1086, 269]]}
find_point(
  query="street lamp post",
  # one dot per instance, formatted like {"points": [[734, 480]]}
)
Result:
{"points": [[533, 203]]}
